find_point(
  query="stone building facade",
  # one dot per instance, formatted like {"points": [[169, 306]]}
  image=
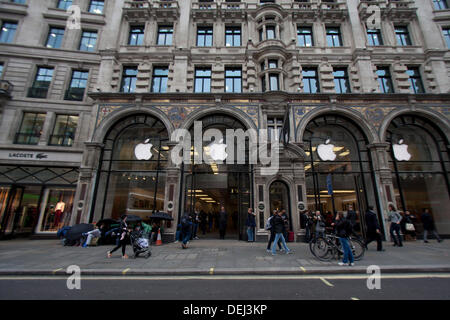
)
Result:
{"points": [[78, 101]]}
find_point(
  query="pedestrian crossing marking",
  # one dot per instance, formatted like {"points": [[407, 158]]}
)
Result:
{"points": [[326, 282]]}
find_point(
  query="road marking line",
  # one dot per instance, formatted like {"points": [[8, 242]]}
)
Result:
{"points": [[354, 298], [326, 282], [125, 271], [303, 269], [55, 271], [211, 271]]}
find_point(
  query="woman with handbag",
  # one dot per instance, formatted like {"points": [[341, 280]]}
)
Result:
{"points": [[410, 228]]}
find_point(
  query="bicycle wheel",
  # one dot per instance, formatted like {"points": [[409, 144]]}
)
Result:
{"points": [[358, 249], [321, 249]]}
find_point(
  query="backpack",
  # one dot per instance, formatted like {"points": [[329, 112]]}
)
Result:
{"points": [[268, 225]]}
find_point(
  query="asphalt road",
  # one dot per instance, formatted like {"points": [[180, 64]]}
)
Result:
{"points": [[336, 287]]}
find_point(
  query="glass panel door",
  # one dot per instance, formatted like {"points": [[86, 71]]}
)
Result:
{"points": [[56, 210], [12, 209]]}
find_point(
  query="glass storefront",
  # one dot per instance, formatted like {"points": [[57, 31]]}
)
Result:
{"points": [[32, 200], [133, 169], [339, 175], [208, 187], [420, 164]]}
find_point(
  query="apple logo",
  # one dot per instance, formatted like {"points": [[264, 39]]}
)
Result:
{"points": [[217, 151], [143, 151], [401, 151], [325, 151]]}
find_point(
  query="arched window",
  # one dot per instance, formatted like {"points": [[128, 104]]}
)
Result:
{"points": [[420, 164], [133, 169], [339, 174]]}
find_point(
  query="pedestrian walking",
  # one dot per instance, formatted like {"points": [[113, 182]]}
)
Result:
{"points": [[286, 224], [428, 226], [278, 227], [373, 229], [251, 225], [344, 231], [186, 230], [408, 227], [272, 232], [395, 218], [223, 219], [195, 221], [123, 238], [320, 225]]}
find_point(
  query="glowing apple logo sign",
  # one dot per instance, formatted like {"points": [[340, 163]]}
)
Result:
{"points": [[217, 151], [326, 152], [401, 151], [143, 151]]}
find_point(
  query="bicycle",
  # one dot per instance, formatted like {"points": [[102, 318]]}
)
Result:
{"points": [[329, 247]]}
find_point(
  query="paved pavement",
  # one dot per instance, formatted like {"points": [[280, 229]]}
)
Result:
{"points": [[205, 257]]}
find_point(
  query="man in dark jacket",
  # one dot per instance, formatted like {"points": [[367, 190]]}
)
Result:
{"points": [[351, 217], [373, 229], [428, 226], [278, 227]]}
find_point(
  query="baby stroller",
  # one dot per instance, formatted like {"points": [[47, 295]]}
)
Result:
{"points": [[140, 244]]}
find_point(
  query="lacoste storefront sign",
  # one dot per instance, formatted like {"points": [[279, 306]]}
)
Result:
{"points": [[40, 156]]}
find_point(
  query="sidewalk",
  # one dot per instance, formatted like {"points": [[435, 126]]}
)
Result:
{"points": [[206, 257]]}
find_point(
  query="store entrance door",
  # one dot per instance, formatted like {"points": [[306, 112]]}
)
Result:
{"points": [[206, 193]]}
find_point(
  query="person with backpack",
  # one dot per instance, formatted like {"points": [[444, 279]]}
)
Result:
{"points": [[186, 230], [278, 227], [272, 233], [343, 231]]}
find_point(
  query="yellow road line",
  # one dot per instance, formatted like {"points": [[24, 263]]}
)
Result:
{"points": [[354, 298], [125, 271], [326, 282], [55, 271], [303, 269], [211, 271]]}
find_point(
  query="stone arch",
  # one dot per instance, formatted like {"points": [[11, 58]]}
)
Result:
{"points": [[233, 112], [116, 116], [359, 120], [442, 123]]}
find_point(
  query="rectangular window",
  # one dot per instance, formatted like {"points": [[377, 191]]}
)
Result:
{"points": [[233, 36], [1, 70], [204, 36], [88, 41], [129, 78], [41, 83], [440, 4], [202, 80], [334, 38], [270, 32], [274, 82], [341, 82], [165, 34], [402, 34], [31, 128], [64, 131], [8, 31], [136, 36], [415, 81], [159, 79], [233, 80], [274, 127], [55, 37], [385, 80], [97, 6], [374, 37], [446, 32], [273, 64], [64, 4], [305, 36], [310, 80], [78, 84]]}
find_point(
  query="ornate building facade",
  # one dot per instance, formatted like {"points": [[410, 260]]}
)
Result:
{"points": [[360, 108]]}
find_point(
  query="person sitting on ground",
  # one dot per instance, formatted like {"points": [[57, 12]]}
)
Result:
{"points": [[92, 235]]}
